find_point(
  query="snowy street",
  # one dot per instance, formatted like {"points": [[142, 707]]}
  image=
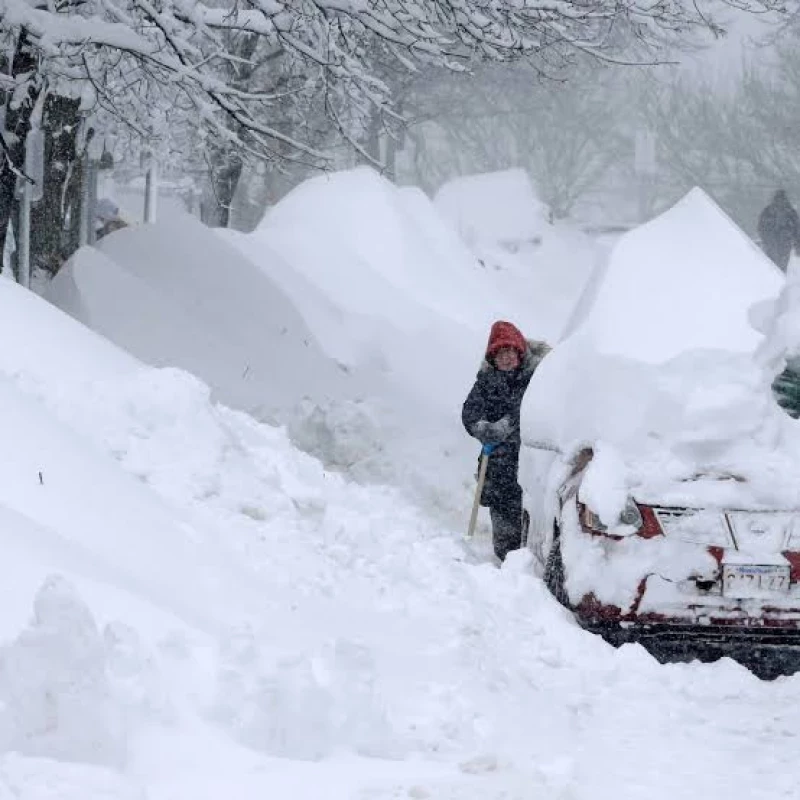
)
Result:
{"points": [[364, 655], [399, 400], [204, 602]]}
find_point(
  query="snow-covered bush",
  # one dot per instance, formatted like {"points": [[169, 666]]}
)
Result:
{"points": [[56, 697], [134, 675]]}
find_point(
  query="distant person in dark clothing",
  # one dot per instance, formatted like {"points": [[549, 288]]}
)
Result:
{"points": [[779, 230], [107, 218], [491, 414]]}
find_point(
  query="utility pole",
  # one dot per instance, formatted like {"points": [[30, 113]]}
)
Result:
{"points": [[24, 241], [151, 190], [86, 225], [645, 165], [30, 189]]}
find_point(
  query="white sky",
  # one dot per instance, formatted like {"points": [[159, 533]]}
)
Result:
{"points": [[726, 55]]}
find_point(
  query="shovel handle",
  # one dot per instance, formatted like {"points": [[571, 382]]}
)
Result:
{"points": [[478, 491]]}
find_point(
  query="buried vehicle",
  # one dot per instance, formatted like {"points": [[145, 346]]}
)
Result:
{"points": [[685, 583], [678, 524]]}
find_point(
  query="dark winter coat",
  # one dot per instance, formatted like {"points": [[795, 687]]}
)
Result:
{"points": [[497, 394], [779, 230], [494, 395]]}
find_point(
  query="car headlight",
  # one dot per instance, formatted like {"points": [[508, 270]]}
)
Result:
{"points": [[631, 515]]}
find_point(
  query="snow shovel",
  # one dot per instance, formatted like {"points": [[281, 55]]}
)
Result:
{"points": [[486, 451]]}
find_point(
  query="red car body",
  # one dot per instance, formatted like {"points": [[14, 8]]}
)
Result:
{"points": [[733, 590]]}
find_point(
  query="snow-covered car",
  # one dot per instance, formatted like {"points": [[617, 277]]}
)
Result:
{"points": [[684, 582], [675, 524]]}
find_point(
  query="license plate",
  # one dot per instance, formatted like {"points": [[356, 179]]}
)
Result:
{"points": [[754, 580]]}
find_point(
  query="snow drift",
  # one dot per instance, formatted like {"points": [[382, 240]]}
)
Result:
{"points": [[389, 288], [507, 228], [684, 281], [659, 367], [176, 294], [192, 607], [378, 248], [470, 203]]}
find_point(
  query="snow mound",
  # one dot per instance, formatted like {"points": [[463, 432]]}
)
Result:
{"points": [[544, 266], [57, 699], [684, 281], [661, 368], [471, 204], [390, 290], [193, 301], [376, 249], [340, 331]]}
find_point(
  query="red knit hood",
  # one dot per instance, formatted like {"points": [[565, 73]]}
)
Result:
{"points": [[504, 334]]}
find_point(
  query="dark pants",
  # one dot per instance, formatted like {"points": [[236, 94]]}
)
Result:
{"points": [[503, 496], [778, 252]]}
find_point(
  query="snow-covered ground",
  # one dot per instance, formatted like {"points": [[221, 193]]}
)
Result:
{"points": [[195, 607]]}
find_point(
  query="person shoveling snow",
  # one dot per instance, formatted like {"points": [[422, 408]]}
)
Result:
{"points": [[491, 414]]}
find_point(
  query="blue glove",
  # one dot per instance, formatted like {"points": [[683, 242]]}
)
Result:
{"points": [[488, 448]]}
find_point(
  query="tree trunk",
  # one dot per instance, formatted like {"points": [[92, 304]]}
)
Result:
{"points": [[224, 176], [8, 181], [395, 141], [372, 140], [226, 188], [52, 239], [18, 117]]}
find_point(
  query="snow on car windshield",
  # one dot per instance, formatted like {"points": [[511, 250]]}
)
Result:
{"points": [[656, 369], [470, 203]]}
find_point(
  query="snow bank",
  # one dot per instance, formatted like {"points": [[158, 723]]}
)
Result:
{"points": [[544, 265], [178, 295], [346, 269], [237, 619], [388, 288], [57, 698], [378, 250], [341, 332], [471, 204]]}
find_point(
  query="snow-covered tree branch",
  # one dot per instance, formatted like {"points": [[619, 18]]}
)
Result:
{"points": [[234, 74]]}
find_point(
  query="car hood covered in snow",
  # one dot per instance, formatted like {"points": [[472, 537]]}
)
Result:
{"points": [[657, 372]]}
